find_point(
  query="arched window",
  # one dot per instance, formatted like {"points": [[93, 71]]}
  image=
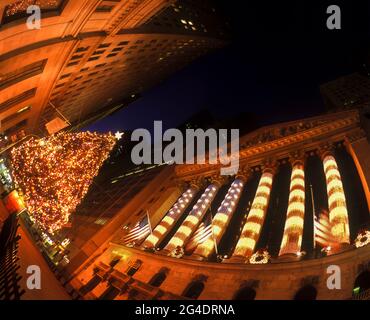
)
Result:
{"points": [[246, 293], [194, 290], [362, 283], [158, 278], [306, 293]]}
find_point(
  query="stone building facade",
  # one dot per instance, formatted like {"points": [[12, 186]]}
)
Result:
{"points": [[249, 236]]}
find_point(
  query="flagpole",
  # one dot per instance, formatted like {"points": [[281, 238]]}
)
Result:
{"points": [[213, 235], [313, 217], [150, 225]]}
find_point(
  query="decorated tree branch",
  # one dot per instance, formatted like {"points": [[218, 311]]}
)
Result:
{"points": [[55, 173]]}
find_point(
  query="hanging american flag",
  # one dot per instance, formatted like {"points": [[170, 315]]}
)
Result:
{"points": [[138, 232], [203, 232], [323, 234]]}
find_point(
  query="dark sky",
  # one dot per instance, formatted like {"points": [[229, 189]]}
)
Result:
{"points": [[279, 54]]}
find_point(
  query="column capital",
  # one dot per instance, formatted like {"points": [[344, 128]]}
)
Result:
{"points": [[269, 165], [197, 183], [297, 157], [243, 173], [218, 179], [325, 149]]}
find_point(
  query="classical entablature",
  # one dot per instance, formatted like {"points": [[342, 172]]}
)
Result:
{"points": [[278, 141]]}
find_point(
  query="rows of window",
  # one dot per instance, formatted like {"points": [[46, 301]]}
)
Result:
{"points": [[188, 17], [11, 102], [86, 81], [22, 74], [16, 76]]}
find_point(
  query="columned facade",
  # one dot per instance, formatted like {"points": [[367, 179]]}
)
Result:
{"points": [[267, 230], [256, 217], [162, 229], [195, 216], [222, 218], [293, 230], [338, 213]]}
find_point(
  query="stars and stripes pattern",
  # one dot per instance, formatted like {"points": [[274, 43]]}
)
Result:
{"points": [[203, 233], [323, 235], [138, 232]]}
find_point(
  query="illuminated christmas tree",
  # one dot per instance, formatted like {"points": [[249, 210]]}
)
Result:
{"points": [[55, 173]]}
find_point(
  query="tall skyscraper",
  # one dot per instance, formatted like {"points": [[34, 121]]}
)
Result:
{"points": [[91, 58]]}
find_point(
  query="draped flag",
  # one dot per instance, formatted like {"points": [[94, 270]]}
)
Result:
{"points": [[323, 235], [138, 232], [203, 232]]}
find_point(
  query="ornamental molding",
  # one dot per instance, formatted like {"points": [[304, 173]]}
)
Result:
{"points": [[125, 8], [329, 128], [133, 13]]}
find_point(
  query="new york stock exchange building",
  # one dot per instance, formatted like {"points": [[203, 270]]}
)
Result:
{"points": [[293, 223]]}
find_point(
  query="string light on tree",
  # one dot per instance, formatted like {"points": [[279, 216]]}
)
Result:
{"points": [[22, 5], [55, 173]]}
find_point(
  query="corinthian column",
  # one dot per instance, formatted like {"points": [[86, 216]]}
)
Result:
{"points": [[222, 218], [293, 230], [256, 217], [338, 214], [192, 221], [177, 210]]}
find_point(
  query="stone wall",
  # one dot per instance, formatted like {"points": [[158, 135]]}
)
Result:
{"points": [[223, 280]]}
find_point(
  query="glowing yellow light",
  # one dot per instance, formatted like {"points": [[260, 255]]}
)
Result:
{"points": [[251, 230], [292, 238], [338, 214], [161, 229], [192, 221], [170, 218], [55, 173], [260, 257], [363, 239], [220, 220], [253, 227]]}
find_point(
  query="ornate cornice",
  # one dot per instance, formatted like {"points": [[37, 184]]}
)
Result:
{"points": [[329, 128]]}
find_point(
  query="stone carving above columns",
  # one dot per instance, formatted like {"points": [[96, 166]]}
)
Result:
{"points": [[325, 149], [270, 165], [297, 157], [198, 183], [244, 173], [218, 180]]}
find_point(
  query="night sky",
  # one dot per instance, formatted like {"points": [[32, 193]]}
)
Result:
{"points": [[279, 54]]}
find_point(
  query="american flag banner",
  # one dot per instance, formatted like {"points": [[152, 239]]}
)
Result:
{"points": [[203, 232], [138, 232], [323, 235]]}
